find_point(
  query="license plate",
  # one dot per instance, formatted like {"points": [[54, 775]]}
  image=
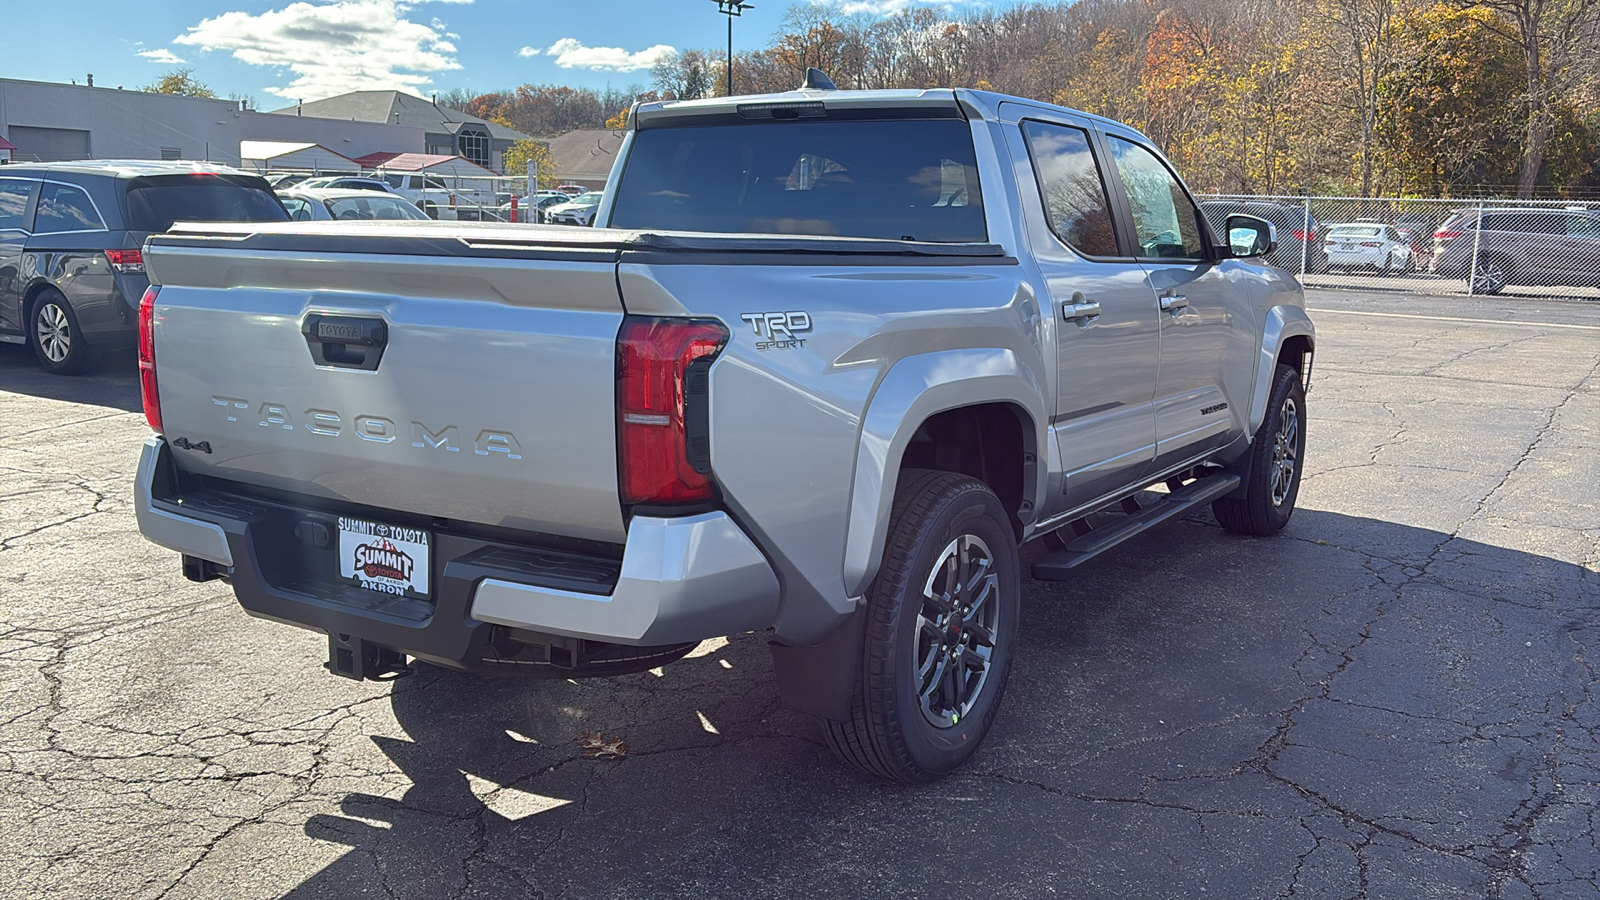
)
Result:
{"points": [[388, 559], [1347, 246]]}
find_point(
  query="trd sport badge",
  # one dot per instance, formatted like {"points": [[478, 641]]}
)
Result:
{"points": [[779, 330]]}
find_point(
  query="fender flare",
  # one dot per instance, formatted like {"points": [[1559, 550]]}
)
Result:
{"points": [[1282, 323], [914, 389]]}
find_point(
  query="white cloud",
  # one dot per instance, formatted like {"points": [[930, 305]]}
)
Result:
{"points": [[161, 55], [333, 47], [529, 51], [570, 53]]}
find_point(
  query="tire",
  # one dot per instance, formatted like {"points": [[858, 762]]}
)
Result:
{"points": [[429, 210], [907, 723], [1491, 277], [55, 337], [1273, 483]]}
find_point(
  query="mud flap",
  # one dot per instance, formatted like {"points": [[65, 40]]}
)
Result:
{"points": [[820, 680]]}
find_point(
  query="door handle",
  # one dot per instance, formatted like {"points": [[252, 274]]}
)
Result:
{"points": [[1173, 303], [1081, 311]]}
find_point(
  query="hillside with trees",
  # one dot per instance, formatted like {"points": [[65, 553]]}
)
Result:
{"points": [[1368, 97]]}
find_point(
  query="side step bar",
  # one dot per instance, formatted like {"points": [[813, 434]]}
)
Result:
{"points": [[1092, 543]]}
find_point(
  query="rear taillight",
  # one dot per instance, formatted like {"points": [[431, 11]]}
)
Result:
{"points": [[1446, 235], [1302, 235], [662, 413], [1371, 244], [147, 358], [128, 262]]}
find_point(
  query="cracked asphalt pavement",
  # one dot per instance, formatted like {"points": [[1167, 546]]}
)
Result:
{"points": [[1394, 698]]}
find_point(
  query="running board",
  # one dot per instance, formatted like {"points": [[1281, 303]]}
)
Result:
{"points": [[1055, 567]]}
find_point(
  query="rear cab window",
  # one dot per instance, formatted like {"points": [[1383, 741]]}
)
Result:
{"points": [[155, 202], [895, 179], [1071, 186]]}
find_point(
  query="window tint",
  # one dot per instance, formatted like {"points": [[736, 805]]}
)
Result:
{"points": [[1583, 226], [373, 208], [154, 203], [63, 207], [299, 210], [435, 183], [14, 196], [1164, 220], [1074, 194], [901, 179], [395, 181]]}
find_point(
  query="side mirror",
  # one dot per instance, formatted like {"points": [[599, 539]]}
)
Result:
{"points": [[1250, 236]]}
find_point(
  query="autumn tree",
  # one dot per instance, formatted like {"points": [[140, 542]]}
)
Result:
{"points": [[520, 153], [1448, 113], [1558, 40], [181, 82], [684, 76]]}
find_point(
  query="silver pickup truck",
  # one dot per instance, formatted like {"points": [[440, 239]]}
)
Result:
{"points": [[830, 360]]}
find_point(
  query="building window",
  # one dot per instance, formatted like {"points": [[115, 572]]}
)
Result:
{"points": [[172, 153], [474, 145]]}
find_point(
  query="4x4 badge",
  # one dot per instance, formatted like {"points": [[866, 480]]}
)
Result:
{"points": [[779, 330]]}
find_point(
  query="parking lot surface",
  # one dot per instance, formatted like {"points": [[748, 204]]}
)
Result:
{"points": [[1394, 698]]}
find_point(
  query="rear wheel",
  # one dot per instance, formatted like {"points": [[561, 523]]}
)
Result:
{"points": [[1491, 277], [940, 631], [1273, 484], [54, 334]]}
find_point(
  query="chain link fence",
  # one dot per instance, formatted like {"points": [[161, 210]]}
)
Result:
{"points": [[1526, 248]]}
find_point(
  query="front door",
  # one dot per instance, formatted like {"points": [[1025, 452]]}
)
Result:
{"points": [[1104, 312], [1207, 320]]}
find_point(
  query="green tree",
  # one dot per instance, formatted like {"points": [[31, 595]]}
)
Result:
{"points": [[181, 82]]}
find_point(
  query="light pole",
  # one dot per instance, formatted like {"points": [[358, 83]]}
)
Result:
{"points": [[731, 8]]}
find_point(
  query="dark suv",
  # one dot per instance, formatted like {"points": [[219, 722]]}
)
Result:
{"points": [[1299, 232], [71, 270], [1520, 246]]}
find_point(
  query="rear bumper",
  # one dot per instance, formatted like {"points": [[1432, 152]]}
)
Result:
{"points": [[678, 579]]}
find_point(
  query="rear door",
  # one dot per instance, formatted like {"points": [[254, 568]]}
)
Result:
{"points": [[417, 374], [16, 212], [1104, 311], [1206, 319]]}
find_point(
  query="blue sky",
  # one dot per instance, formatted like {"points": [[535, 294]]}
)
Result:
{"points": [[281, 50]]}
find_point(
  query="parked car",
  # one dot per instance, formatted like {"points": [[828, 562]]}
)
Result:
{"points": [[1300, 247], [543, 200], [345, 183], [316, 205], [460, 198], [577, 211], [572, 190], [283, 180], [1366, 245], [813, 402], [1537, 246], [72, 237]]}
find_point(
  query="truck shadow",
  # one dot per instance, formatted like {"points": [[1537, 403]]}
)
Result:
{"points": [[113, 383], [1169, 662]]}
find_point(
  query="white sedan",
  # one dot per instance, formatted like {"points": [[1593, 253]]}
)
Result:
{"points": [[347, 204], [1365, 245]]}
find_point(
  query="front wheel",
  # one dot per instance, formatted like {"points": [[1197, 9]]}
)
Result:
{"points": [[1491, 277], [1273, 483], [940, 631]]}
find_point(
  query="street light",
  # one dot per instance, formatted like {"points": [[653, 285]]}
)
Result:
{"points": [[731, 8]]}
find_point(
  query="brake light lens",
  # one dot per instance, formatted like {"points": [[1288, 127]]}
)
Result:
{"points": [[1302, 235], [147, 358], [662, 366], [127, 262], [1446, 235]]}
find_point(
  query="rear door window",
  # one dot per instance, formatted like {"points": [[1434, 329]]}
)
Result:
{"points": [[14, 196], [63, 207], [1072, 188], [901, 179], [157, 201]]}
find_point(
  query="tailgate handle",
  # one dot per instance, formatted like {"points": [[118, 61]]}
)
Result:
{"points": [[346, 342]]}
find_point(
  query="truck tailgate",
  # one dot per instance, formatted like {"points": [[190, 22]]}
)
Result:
{"points": [[454, 385]]}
